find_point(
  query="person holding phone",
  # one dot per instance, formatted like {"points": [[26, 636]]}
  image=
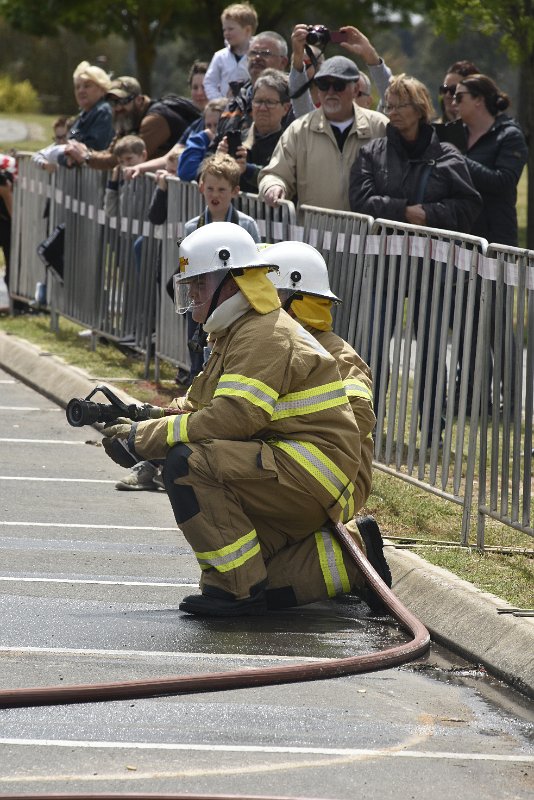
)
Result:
{"points": [[270, 104]]}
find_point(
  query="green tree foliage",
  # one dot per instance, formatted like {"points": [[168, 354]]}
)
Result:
{"points": [[17, 97], [148, 24]]}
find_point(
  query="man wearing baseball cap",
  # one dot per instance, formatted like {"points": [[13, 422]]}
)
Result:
{"points": [[159, 123], [313, 157]]}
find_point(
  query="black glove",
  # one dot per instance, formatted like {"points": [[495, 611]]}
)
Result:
{"points": [[118, 442]]}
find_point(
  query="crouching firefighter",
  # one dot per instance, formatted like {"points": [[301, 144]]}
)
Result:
{"points": [[304, 290], [263, 453]]}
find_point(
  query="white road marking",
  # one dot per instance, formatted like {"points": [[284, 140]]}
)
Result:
{"points": [[8, 381], [9, 523], [27, 408], [156, 654], [14, 579], [40, 441], [321, 751], [52, 480]]}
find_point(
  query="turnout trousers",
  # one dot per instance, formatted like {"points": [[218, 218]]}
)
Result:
{"points": [[252, 526]]}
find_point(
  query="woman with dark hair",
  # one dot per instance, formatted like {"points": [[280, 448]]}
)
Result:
{"points": [[496, 154], [455, 73]]}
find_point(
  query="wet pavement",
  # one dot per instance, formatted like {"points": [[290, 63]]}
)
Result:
{"points": [[90, 582]]}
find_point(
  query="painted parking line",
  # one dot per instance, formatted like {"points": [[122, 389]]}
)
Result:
{"points": [[304, 751]]}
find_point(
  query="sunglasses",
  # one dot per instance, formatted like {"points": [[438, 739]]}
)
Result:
{"points": [[121, 101], [324, 84], [457, 97], [444, 89]]}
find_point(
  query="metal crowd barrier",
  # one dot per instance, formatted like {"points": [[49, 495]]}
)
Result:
{"points": [[430, 310]]}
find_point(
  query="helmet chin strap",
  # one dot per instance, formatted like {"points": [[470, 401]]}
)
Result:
{"points": [[215, 296], [286, 305]]}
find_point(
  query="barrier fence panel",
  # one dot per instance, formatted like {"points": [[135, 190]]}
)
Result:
{"points": [[340, 238], [507, 388], [274, 224], [33, 195], [184, 202]]}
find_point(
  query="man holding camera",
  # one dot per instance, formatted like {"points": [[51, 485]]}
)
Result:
{"points": [[304, 64], [313, 158]]}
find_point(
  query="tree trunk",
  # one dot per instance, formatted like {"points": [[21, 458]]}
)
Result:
{"points": [[145, 55], [526, 119]]}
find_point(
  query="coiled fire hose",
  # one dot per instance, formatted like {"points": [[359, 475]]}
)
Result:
{"points": [[239, 679]]}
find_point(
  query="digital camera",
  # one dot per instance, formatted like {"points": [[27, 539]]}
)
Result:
{"points": [[320, 36]]}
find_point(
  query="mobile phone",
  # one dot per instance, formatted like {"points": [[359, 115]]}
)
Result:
{"points": [[338, 36], [233, 139]]}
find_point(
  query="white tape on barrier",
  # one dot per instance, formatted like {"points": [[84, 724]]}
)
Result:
{"points": [[372, 245], [296, 233], [59, 196], [278, 230], [487, 268], [101, 215], [462, 258], [355, 243]]}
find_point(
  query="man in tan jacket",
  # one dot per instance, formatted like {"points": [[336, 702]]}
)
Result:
{"points": [[263, 453], [312, 160]]}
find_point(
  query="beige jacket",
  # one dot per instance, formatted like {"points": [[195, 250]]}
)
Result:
{"points": [[307, 161], [268, 379]]}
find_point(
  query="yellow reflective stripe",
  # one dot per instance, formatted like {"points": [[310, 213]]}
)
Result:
{"points": [[256, 392], [331, 562], [177, 429], [309, 401], [355, 388], [333, 479], [232, 555]]}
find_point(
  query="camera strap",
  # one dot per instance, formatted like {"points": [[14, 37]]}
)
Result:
{"points": [[311, 55]]}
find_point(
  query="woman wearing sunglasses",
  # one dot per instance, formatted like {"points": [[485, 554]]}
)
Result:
{"points": [[410, 176], [455, 73], [496, 154]]}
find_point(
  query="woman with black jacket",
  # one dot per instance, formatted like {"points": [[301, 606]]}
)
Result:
{"points": [[409, 176], [496, 154]]}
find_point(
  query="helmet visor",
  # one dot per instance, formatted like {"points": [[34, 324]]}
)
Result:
{"points": [[196, 292]]}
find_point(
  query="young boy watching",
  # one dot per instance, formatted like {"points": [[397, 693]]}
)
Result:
{"points": [[130, 150], [219, 184], [230, 65]]}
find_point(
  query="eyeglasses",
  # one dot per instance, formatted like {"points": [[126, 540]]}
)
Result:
{"points": [[261, 53], [121, 101], [257, 103], [324, 84], [457, 97], [390, 109], [450, 89]]}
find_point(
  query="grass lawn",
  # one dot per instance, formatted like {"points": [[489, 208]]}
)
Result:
{"points": [[412, 517]]}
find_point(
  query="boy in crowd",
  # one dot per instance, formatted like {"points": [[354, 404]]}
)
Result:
{"points": [[130, 150], [219, 184], [230, 65]]}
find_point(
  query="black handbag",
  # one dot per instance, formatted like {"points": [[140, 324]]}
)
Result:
{"points": [[51, 251]]}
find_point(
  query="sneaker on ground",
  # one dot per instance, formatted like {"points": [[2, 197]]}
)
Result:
{"points": [[158, 479], [140, 478]]}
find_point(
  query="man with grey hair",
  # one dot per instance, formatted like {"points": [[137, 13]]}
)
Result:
{"points": [[313, 158], [267, 50], [303, 97]]}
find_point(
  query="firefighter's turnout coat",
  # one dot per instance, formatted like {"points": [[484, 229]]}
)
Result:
{"points": [[273, 454]]}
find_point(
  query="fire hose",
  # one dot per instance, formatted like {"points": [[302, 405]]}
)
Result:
{"points": [[240, 679]]}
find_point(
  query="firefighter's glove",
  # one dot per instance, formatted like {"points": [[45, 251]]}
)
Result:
{"points": [[119, 443]]}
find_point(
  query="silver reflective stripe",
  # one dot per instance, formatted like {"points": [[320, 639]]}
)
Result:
{"points": [[303, 403]]}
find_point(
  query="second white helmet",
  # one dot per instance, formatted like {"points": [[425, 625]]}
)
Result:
{"points": [[301, 268]]}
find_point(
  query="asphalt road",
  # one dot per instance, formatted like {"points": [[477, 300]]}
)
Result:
{"points": [[90, 582]]}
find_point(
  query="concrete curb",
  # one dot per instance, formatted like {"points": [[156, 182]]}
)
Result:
{"points": [[456, 613]]}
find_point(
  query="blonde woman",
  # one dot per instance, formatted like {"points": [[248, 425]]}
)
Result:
{"points": [[93, 125]]}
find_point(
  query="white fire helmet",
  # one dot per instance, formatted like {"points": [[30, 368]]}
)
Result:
{"points": [[301, 270], [212, 251]]}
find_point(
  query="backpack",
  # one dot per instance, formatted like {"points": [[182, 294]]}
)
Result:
{"points": [[178, 112]]}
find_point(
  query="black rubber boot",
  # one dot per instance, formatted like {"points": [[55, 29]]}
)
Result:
{"points": [[374, 549], [217, 603]]}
